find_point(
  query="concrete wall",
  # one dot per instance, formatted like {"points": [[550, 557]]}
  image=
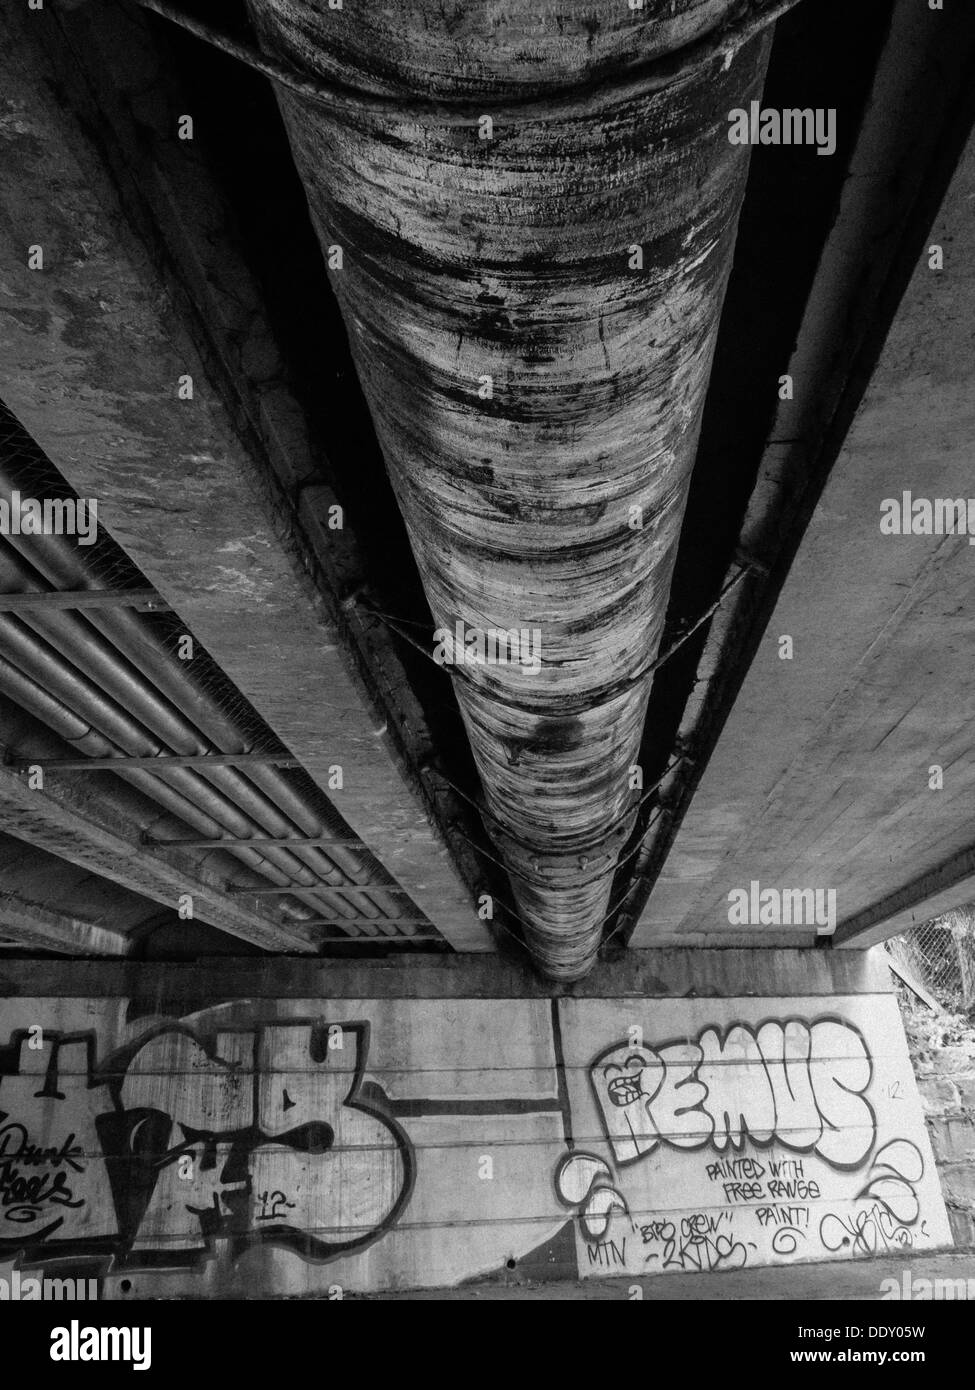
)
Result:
{"points": [[181, 1134]]}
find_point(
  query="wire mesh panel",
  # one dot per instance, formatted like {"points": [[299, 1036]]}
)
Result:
{"points": [[941, 953]]}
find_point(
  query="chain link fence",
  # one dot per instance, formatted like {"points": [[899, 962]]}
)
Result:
{"points": [[941, 956]]}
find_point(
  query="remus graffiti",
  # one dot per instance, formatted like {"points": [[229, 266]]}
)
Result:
{"points": [[794, 1167], [791, 1082]]}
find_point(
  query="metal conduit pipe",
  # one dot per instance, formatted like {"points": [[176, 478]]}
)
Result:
{"points": [[27, 695], [38, 663], [173, 811], [54, 561], [38, 703], [87, 651], [56, 716], [36, 660], [532, 304], [64, 567], [73, 638]]}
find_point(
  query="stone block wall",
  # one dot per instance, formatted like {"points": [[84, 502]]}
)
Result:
{"points": [[943, 1053]]}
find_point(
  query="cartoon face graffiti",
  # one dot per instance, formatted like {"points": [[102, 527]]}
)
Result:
{"points": [[636, 1077], [637, 1092], [268, 1135]]}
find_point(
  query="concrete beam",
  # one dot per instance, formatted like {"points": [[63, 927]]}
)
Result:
{"points": [[642, 975], [91, 352], [950, 885], [58, 931], [66, 819]]}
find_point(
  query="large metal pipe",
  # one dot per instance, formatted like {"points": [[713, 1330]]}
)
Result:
{"points": [[532, 305]]}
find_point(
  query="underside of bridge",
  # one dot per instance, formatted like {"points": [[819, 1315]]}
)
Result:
{"points": [[483, 515]]}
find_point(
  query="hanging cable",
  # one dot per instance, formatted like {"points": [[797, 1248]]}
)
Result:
{"points": [[569, 708]]}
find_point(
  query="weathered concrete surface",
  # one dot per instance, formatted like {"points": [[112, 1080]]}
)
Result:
{"points": [[47, 902], [533, 387], [848, 1282], [825, 772], [383, 1141], [641, 975], [91, 352], [53, 930], [948, 885]]}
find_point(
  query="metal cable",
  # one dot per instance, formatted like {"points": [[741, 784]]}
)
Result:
{"points": [[631, 681]]}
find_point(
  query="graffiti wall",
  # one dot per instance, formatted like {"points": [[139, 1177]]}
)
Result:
{"points": [[757, 1132], [304, 1147]]}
